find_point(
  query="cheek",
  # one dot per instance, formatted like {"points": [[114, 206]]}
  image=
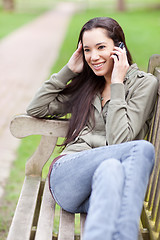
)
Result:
{"points": [[107, 54], [86, 56]]}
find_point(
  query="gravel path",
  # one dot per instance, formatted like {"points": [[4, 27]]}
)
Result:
{"points": [[26, 57]]}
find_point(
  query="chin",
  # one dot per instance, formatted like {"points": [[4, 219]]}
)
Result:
{"points": [[100, 74]]}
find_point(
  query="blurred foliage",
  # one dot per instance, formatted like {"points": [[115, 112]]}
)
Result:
{"points": [[41, 5], [29, 6], [141, 28]]}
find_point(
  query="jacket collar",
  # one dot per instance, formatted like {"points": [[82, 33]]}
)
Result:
{"points": [[131, 72], [97, 102]]}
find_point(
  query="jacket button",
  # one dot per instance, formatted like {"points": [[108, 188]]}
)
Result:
{"points": [[125, 79], [140, 75]]}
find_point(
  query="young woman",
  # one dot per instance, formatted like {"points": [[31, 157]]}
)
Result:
{"points": [[101, 171]]}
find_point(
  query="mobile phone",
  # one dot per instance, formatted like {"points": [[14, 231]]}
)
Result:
{"points": [[121, 45]]}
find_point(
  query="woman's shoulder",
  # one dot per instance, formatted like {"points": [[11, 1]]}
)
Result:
{"points": [[141, 77]]}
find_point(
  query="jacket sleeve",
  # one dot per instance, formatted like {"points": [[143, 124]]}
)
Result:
{"points": [[48, 100], [124, 118]]}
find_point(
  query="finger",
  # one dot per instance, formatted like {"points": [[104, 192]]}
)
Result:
{"points": [[118, 51], [116, 54], [115, 57], [118, 48], [79, 45], [121, 54], [122, 50]]}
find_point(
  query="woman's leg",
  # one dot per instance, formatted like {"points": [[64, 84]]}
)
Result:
{"points": [[137, 170], [105, 200], [71, 181], [137, 164]]}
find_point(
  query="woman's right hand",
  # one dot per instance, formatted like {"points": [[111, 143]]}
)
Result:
{"points": [[75, 63]]}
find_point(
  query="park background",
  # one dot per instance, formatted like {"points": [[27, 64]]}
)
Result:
{"points": [[140, 20]]}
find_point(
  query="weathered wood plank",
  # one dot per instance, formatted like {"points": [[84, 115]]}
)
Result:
{"points": [[150, 224], [156, 141], [157, 222], [156, 200], [24, 214], [46, 217], [66, 226], [45, 149], [153, 63], [157, 74], [82, 220], [24, 125]]}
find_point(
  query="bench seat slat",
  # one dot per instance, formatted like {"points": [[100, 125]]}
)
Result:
{"points": [[82, 220], [24, 214], [46, 217], [66, 226]]}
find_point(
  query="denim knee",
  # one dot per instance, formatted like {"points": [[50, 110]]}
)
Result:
{"points": [[147, 150], [109, 166]]}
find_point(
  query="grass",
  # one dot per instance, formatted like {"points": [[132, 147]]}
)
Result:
{"points": [[9, 21], [25, 12], [142, 30]]}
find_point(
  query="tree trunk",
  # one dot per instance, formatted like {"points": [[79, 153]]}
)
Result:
{"points": [[8, 5], [121, 5]]}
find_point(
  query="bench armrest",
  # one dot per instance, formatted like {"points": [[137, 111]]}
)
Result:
{"points": [[23, 125]]}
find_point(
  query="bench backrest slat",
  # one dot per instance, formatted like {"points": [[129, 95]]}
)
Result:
{"points": [[153, 193], [157, 223]]}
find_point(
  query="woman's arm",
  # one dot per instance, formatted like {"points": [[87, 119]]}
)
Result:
{"points": [[126, 119], [48, 100]]}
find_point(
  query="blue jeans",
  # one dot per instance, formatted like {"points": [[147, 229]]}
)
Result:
{"points": [[109, 183]]}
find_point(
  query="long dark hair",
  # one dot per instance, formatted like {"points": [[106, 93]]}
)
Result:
{"points": [[83, 88]]}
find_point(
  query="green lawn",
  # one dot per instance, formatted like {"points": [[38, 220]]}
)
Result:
{"points": [[10, 21], [142, 29], [25, 11]]}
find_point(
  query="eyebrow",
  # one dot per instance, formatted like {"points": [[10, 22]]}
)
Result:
{"points": [[97, 44]]}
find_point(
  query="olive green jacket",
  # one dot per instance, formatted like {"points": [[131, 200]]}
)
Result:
{"points": [[125, 117]]}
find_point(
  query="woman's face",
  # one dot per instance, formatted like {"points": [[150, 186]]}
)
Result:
{"points": [[97, 51]]}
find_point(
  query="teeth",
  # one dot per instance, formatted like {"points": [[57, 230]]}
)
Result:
{"points": [[98, 65]]}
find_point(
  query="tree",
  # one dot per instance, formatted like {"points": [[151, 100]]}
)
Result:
{"points": [[121, 5], [8, 5]]}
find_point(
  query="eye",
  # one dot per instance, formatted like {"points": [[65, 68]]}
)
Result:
{"points": [[101, 47], [86, 50]]}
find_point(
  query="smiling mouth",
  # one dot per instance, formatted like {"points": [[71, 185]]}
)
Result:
{"points": [[98, 66]]}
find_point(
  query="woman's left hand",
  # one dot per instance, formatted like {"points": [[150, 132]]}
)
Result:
{"points": [[121, 65]]}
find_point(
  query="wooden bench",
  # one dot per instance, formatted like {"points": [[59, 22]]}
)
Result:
{"points": [[35, 212]]}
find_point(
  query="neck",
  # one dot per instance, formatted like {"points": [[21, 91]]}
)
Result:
{"points": [[108, 78], [105, 95]]}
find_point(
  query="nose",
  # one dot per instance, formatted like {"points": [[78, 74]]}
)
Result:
{"points": [[94, 55]]}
